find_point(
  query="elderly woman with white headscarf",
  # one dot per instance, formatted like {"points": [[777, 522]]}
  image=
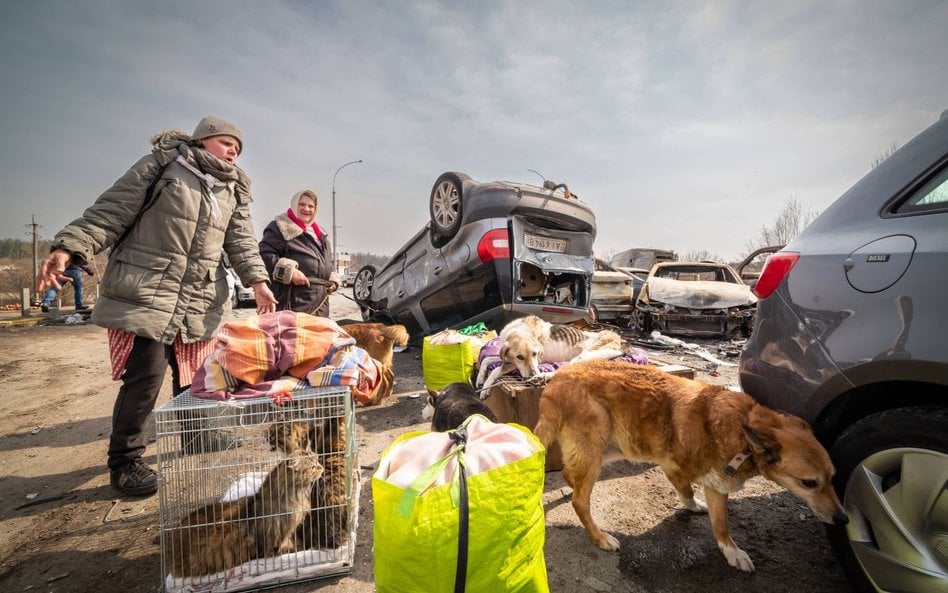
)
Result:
{"points": [[298, 257]]}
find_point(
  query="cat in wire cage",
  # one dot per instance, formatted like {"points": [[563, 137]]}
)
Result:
{"points": [[225, 534], [326, 525]]}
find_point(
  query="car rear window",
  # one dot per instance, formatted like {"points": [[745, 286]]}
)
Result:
{"points": [[930, 197]]}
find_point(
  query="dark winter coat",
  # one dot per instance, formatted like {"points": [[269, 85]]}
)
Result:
{"points": [[167, 276], [285, 238]]}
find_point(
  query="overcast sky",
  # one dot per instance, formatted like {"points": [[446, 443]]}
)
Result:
{"points": [[685, 125]]}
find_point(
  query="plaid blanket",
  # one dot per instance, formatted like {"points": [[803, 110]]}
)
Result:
{"points": [[281, 352]]}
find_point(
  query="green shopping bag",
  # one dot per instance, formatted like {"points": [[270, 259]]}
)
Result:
{"points": [[449, 356], [418, 529]]}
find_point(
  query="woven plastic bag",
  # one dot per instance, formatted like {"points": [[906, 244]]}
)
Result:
{"points": [[418, 502], [449, 356]]}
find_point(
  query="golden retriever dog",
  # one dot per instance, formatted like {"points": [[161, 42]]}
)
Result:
{"points": [[528, 341], [379, 341], [697, 433]]}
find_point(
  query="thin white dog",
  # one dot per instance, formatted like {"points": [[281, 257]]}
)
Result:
{"points": [[528, 341]]}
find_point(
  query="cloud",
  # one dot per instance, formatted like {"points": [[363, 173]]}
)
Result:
{"points": [[687, 125]]}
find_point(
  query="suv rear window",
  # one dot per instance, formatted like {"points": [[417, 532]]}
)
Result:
{"points": [[932, 196]]}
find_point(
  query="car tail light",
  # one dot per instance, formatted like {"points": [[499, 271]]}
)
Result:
{"points": [[494, 244], [775, 270]]}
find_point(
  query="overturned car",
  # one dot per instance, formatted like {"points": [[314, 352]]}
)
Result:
{"points": [[700, 299], [492, 251]]}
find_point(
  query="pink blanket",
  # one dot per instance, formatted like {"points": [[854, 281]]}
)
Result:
{"points": [[489, 445]]}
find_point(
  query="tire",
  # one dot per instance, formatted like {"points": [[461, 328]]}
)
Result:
{"points": [[362, 285], [446, 207], [891, 478]]}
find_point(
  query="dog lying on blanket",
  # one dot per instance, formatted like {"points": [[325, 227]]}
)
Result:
{"points": [[528, 341], [379, 341], [697, 433]]}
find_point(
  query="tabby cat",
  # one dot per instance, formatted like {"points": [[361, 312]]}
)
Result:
{"points": [[327, 524], [221, 535]]}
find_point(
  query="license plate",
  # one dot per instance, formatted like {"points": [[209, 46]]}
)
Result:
{"points": [[545, 243]]}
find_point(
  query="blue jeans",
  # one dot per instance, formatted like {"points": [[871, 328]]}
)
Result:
{"points": [[75, 276]]}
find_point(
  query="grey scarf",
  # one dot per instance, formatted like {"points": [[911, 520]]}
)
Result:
{"points": [[208, 163]]}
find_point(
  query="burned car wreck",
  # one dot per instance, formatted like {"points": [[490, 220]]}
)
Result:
{"points": [[700, 299], [491, 251]]}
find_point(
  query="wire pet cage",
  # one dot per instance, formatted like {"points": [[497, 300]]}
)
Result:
{"points": [[257, 492]]}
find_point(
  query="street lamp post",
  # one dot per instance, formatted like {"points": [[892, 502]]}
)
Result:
{"points": [[334, 265]]}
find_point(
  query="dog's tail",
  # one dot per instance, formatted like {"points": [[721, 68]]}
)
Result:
{"points": [[397, 334], [550, 422]]}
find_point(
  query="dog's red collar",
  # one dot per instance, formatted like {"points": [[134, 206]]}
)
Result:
{"points": [[731, 468]]}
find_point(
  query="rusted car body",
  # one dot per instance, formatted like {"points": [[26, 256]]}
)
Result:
{"points": [[700, 299], [642, 258], [612, 295]]}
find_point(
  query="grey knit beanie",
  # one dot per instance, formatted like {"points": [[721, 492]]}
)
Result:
{"points": [[214, 126]]}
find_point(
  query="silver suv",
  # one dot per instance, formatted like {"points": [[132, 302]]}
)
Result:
{"points": [[851, 335], [491, 251]]}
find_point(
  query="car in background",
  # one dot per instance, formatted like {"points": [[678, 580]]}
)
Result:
{"points": [[698, 299], [642, 258], [614, 292], [851, 336], [638, 277], [491, 251], [240, 295], [349, 278]]}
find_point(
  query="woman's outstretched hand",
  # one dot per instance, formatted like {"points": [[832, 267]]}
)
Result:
{"points": [[266, 302], [51, 270]]}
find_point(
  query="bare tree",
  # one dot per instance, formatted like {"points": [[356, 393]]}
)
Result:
{"points": [[607, 256], [888, 152], [363, 258], [794, 217], [700, 255], [787, 225]]}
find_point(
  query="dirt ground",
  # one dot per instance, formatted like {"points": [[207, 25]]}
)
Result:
{"points": [[63, 528]]}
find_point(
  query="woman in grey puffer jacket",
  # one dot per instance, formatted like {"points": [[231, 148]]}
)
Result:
{"points": [[164, 291]]}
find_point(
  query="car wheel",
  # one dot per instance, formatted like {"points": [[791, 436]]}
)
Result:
{"points": [[235, 303], [891, 476], [446, 207], [362, 285]]}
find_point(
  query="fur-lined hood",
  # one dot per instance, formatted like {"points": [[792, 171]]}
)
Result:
{"points": [[168, 139], [288, 229]]}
